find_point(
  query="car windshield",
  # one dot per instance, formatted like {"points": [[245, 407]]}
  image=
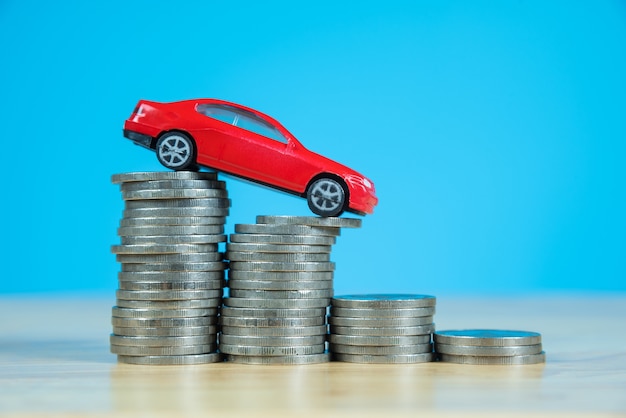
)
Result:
{"points": [[242, 119]]}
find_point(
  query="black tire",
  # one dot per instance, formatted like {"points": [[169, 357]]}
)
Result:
{"points": [[176, 151], [326, 197]]}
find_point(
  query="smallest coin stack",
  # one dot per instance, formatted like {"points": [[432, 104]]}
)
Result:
{"points": [[489, 346], [387, 328], [172, 273]]}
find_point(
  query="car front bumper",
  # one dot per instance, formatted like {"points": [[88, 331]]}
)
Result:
{"points": [[363, 204]]}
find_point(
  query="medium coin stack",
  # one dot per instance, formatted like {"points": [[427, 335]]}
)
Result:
{"points": [[280, 284], [388, 328], [172, 273], [489, 346]]}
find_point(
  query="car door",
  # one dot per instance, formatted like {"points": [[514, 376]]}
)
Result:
{"points": [[261, 152], [215, 134]]}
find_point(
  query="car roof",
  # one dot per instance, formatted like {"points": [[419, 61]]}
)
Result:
{"points": [[227, 103]]}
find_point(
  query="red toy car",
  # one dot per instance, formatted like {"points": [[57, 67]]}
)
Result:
{"points": [[244, 142]]}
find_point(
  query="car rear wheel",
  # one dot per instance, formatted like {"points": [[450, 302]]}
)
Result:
{"points": [[326, 197], [176, 150]]}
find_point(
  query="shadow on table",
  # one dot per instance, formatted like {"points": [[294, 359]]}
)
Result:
{"points": [[31, 351]]}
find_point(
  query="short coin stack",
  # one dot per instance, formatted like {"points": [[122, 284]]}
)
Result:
{"points": [[387, 328], [172, 274], [280, 284], [488, 346]]}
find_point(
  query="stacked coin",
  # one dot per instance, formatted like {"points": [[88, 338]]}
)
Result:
{"points": [[388, 328], [172, 273], [489, 346], [280, 284]]}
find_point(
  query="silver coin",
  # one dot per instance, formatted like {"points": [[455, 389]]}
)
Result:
{"points": [[171, 276], [494, 360], [379, 322], [274, 331], [173, 239], [170, 304], [277, 257], [272, 285], [277, 266], [281, 275], [169, 258], [288, 359], [165, 230], [385, 359], [234, 321], [487, 337], [277, 248], [385, 301], [283, 239], [162, 175], [146, 323], [383, 350], [244, 350], [383, 331], [148, 194], [277, 303], [332, 222], [378, 341], [171, 285], [163, 249], [381, 313], [176, 212], [161, 313], [172, 360], [272, 313], [172, 184], [163, 351], [183, 267], [168, 295], [210, 202], [162, 341], [173, 220], [476, 350], [164, 331], [284, 294], [286, 229], [272, 341]]}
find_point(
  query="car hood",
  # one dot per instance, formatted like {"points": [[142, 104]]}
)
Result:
{"points": [[330, 166]]}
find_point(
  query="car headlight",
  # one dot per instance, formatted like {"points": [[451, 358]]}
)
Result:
{"points": [[361, 182]]}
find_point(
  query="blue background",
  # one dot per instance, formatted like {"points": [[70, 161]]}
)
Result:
{"points": [[494, 131]]}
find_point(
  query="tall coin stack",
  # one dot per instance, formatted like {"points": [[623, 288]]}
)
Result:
{"points": [[172, 273], [489, 346], [388, 328], [280, 285]]}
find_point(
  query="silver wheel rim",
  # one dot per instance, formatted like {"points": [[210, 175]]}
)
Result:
{"points": [[175, 151], [327, 195]]}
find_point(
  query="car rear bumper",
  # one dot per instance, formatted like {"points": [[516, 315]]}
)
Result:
{"points": [[138, 138]]}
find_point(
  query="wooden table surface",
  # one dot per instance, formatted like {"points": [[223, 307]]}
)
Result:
{"points": [[55, 360]]}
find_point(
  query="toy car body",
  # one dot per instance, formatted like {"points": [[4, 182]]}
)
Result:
{"points": [[244, 142]]}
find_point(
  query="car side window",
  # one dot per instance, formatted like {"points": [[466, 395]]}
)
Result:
{"points": [[258, 126], [241, 119], [217, 112]]}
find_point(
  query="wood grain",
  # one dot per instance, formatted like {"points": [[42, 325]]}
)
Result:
{"points": [[55, 360]]}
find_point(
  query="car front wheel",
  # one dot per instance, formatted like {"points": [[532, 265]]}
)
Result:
{"points": [[326, 197], [176, 150]]}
